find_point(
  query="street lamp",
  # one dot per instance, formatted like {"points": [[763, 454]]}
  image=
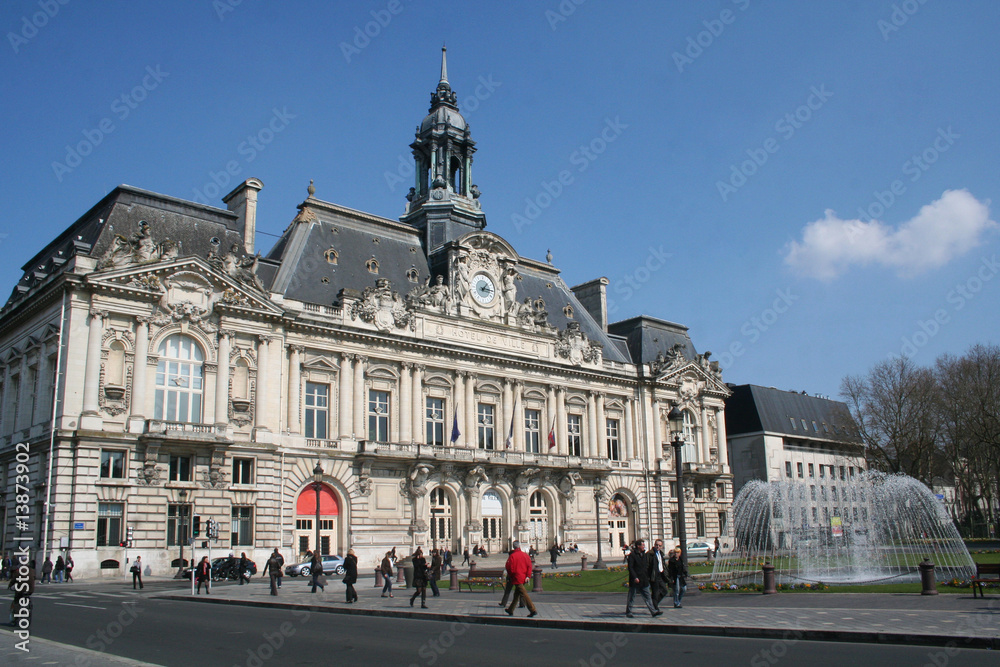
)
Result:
{"points": [[182, 494], [317, 485], [598, 499], [676, 421]]}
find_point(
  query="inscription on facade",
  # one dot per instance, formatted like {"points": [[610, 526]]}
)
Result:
{"points": [[477, 337]]}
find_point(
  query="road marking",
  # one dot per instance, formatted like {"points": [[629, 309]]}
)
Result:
{"points": [[70, 604]]}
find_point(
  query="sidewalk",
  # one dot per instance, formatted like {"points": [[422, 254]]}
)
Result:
{"points": [[850, 617]]}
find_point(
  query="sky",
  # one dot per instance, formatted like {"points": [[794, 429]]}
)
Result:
{"points": [[808, 186]]}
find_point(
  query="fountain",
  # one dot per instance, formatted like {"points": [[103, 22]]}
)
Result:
{"points": [[871, 528]]}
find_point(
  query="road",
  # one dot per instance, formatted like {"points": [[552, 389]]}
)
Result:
{"points": [[107, 618]]}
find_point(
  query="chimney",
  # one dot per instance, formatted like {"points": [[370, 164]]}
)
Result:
{"points": [[593, 296], [243, 202]]}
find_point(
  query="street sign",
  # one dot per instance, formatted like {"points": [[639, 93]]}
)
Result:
{"points": [[78, 525]]}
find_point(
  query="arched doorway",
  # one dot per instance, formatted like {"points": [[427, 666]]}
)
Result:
{"points": [[442, 520], [538, 522], [305, 521], [620, 529], [493, 530]]}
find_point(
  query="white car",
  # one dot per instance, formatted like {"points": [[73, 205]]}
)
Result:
{"points": [[698, 549]]}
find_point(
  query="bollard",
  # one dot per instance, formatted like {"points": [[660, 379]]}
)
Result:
{"points": [[378, 577], [583, 562], [769, 588], [536, 580], [927, 578], [400, 575], [454, 579]]}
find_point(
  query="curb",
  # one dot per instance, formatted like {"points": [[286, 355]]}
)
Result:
{"points": [[848, 636]]}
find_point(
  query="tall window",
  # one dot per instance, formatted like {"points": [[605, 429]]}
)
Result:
{"points": [[798, 469], [574, 434], [435, 421], [532, 430], [486, 426], [112, 464], [32, 393], [812, 471], [690, 438], [699, 523], [440, 517], [720, 490], [109, 524], [178, 524], [378, 415], [722, 523], [674, 525], [241, 533], [180, 469], [242, 471], [179, 380], [614, 450], [317, 410], [788, 468]]}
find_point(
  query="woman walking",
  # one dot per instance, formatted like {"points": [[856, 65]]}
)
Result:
{"points": [[351, 578], [203, 574], [316, 570], [386, 569], [435, 573], [419, 578], [60, 568], [69, 568]]}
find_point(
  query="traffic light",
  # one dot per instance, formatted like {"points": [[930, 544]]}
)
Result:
{"points": [[128, 537], [195, 525]]}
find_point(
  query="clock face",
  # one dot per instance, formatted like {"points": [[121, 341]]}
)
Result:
{"points": [[483, 289]]}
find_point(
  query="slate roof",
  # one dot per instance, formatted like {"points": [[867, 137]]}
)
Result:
{"points": [[753, 409], [646, 337]]}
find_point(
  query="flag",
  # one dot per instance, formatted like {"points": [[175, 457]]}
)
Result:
{"points": [[510, 433], [552, 435], [455, 433]]}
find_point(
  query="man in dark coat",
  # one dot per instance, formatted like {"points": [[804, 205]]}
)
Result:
{"points": [[554, 555], [241, 570], [658, 573], [638, 579], [435, 573], [273, 568], [351, 576]]}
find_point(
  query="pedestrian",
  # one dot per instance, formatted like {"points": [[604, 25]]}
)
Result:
{"points": [[273, 569], [435, 573], [136, 570], [386, 569], [6, 566], [351, 576], [281, 565], [658, 573], [677, 574], [638, 579], [203, 573], [554, 556], [47, 570], [316, 570], [69, 568], [419, 578], [446, 559], [22, 592], [465, 556], [716, 553], [60, 568], [519, 567], [241, 569]]}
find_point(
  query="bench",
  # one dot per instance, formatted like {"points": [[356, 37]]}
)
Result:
{"points": [[485, 577], [985, 573]]}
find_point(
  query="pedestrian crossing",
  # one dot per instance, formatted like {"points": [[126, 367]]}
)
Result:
{"points": [[78, 595]]}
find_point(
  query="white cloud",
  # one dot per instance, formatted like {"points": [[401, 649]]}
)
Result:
{"points": [[941, 231]]}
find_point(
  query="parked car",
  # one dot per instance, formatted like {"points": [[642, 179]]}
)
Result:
{"points": [[331, 565], [226, 568], [698, 550]]}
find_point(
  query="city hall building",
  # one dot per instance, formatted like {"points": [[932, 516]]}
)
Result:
{"points": [[417, 380]]}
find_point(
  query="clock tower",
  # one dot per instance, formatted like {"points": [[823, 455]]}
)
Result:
{"points": [[443, 202]]}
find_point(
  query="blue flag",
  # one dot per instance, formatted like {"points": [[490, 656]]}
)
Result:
{"points": [[455, 433]]}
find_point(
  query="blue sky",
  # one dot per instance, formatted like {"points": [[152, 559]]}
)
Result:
{"points": [[808, 186]]}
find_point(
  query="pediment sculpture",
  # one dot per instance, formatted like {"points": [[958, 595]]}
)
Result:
{"points": [[574, 345], [383, 307], [138, 248], [671, 360]]}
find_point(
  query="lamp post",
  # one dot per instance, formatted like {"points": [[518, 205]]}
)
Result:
{"points": [[317, 485], [598, 499], [676, 422], [182, 494]]}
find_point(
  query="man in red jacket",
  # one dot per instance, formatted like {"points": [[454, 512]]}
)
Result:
{"points": [[519, 569]]}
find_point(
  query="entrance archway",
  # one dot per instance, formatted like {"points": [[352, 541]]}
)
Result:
{"points": [[442, 520], [620, 528], [538, 522], [305, 521], [493, 529]]}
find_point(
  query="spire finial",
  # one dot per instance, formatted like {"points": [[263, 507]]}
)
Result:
{"points": [[444, 64], [311, 189]]}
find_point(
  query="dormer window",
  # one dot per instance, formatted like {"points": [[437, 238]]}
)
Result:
{"points": [[372, 265], [331, 255], [412, 275], [568, 312]]}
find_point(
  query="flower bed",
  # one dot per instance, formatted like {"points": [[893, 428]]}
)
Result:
{"points": [[756, 588]]}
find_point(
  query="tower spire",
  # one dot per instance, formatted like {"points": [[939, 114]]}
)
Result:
{"points": [[444, 65]]}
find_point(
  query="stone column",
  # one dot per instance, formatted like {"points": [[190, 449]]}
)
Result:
{"points": [[458, 396], [294, 388], [471, 436], [590, 444], [263, 390], [720, 430], [602, 429], [221, 380], [416, 405], [562, 440], [346, 404], [507, 413], [658, 435], [137, 410], [518, 417], [703, 453], [92, 376], [629, 453], [406, 414], [360, 399], [41, 399]]}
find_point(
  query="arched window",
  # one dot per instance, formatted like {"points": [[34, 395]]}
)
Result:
{"points": [[441, 532], [538, 521], [179, 380], [456, 176], [690, 438]]}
